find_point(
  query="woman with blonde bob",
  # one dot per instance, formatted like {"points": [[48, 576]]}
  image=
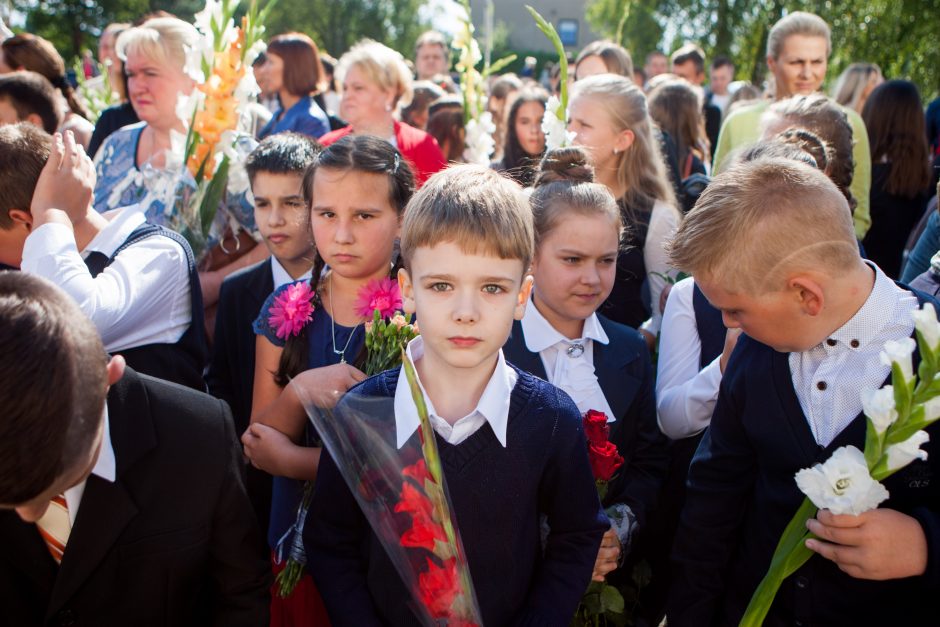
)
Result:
{"points": [[610, 117], [375, 83], [855, 84]]}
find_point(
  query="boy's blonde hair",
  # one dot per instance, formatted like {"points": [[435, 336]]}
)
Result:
{"points": [[384, 67], [797, 23], [759, 221], [473, 207], [161, 39]]}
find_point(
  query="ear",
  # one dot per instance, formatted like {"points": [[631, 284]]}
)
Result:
{"points": [[771, 64], [21, 219], [524, 292], [624, 140], [115, 369], [407, 291], [34, 119], [809, 293]]}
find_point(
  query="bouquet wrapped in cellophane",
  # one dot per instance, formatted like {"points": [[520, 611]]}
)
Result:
{"points": [[403, 495], [207, 162]]}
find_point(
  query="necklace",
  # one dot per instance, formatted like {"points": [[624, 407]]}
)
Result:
{"points": [[341, 353]]}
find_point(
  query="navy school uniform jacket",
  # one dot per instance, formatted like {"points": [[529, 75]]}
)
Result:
{"points": [[171, 542], [625, 375], [231, 372], [497, 495], [742, 494]]}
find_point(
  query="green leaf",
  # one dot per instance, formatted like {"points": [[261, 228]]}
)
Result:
{"points": [[549, 31], [497, 66], [611, 600], [213, 196], [592, 602], [873, 444]]}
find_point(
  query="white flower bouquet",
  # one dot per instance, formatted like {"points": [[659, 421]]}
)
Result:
{"points": [[849, 481]]}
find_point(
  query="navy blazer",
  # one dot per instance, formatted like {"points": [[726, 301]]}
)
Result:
{"points": [[625, 374], [231, 373], [172, 541]]}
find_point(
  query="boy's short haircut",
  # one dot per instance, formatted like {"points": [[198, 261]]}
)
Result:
{"points": [[31, 93], [761, 220], [54, 383], [690, 52], [473, 207], [282, 153], [722, 61], [24, 150]]}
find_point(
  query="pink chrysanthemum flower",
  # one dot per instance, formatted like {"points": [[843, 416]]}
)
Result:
{"points": [[291, 310], [382, 294]]}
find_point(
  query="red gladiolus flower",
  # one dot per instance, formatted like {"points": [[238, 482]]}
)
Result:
{"points": [[605, 460], [438, 587], [417, 471], [424, 534], [595, 427], [381, 294], [414, 502]]}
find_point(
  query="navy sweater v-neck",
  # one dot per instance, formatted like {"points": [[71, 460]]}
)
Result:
{"points": [[498, 494]]}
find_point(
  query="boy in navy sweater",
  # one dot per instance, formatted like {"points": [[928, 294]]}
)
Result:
{"points": [[771, 245], [511, 445]]}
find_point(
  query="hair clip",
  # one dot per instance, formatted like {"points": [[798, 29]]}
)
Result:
{"points": [[395, 163]]}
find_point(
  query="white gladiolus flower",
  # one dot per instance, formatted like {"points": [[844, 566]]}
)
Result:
{"points": [[555, 129], [902, 454], [186, 106], [925, 321], [879, 406], [932, 409], [479, 143], [256, 49], [843, 484], [212, 12], [900, 353]]}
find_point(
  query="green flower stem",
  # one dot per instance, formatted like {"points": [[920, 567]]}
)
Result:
{"points": [[549, 31]]}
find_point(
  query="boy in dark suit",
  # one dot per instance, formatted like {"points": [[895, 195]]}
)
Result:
{"points": [[771, 244], [276, 172], [511, 445], [129, 503]]}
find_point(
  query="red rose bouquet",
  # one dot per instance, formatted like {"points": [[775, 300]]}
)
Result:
{"points": [[602, 603], [403, 495]]}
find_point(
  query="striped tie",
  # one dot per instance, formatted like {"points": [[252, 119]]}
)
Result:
{"points": [[55, 526]]}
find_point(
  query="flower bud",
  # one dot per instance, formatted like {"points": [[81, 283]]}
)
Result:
{"points": [[925, 321], [879, 407], [903, 453], [900, 353]]}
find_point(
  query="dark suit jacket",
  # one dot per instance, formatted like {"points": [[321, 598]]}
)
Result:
{"points": [[172, 542], [232, 366], [625, 374]]}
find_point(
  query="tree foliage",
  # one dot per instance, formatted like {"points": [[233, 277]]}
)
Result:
{"points": [[335, 25], [899, 35]]}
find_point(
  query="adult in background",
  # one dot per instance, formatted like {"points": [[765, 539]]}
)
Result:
{"points": [[798, 49], [855, 84], [432, 55], [375, 82], [292, 68], [900, 175], [603, 57], [656, 63], [688, 62], [121, 114], [721, 75], [503, 90], [30, 52], [525, 140], [154, 56]]}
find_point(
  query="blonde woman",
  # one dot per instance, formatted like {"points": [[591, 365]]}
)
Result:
{"points": [[855, 84], [375, 83], [610, 117]]}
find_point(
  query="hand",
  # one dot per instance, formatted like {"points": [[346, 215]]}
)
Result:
{"points": [[324, 386], [607, 556], [265, 446], [66, 182], [731, 340], [879, 544]]}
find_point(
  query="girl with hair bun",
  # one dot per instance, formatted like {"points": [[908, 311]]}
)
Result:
{"points": [[602, 365]]}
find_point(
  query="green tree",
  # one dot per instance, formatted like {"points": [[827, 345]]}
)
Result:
{"points": [[899, 35]]}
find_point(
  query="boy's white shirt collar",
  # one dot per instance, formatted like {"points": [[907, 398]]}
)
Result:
{"points": [[119, 228], [105, 467], [493, 403], [282, 276], [540, 334]]}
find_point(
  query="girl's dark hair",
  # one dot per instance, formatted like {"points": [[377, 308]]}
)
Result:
{"points": [[353, 153], [445, 124], [565, 183], [828, 121], [30, 52], [897, 134], [517, 163]]}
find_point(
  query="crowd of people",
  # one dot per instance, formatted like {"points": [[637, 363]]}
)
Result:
{"points": [[713, 265]]}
